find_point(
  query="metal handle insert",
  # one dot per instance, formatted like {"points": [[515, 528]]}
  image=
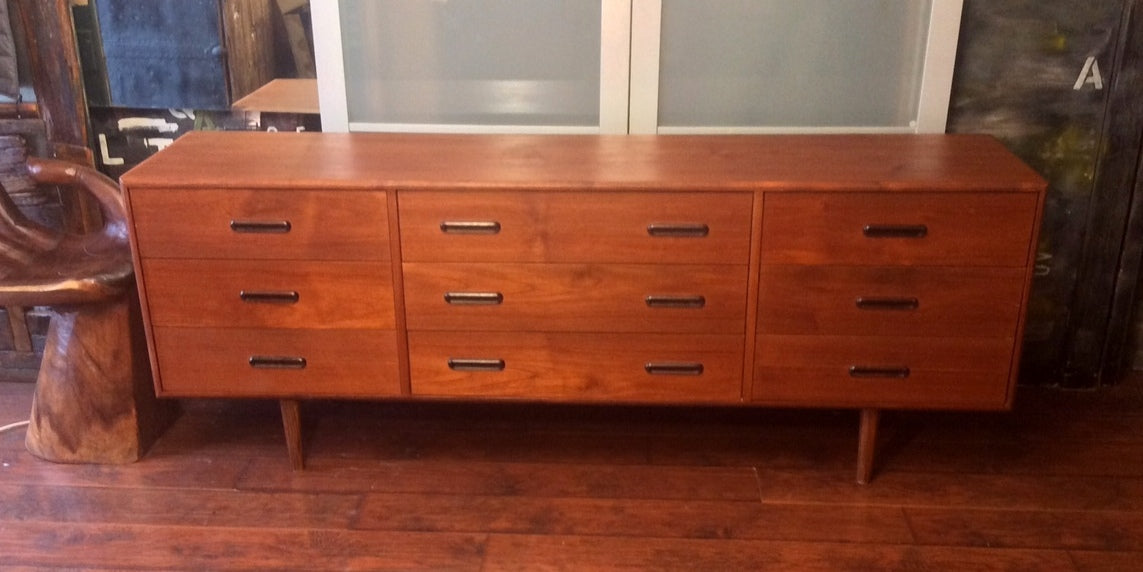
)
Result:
{"points": [[290, 297], [879, 371], [895, 231], [470, 227], [464, 364], [864, 303], [260, 227], [690, 302], [673, 368], [277, 362], [474, 298], [678, 230]]}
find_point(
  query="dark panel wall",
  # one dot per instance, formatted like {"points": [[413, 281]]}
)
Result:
{"points": [[1038, 74]]}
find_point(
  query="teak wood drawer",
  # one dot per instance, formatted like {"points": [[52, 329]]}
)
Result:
{"points": [[864, 271], [599, 227], [261, 224]]}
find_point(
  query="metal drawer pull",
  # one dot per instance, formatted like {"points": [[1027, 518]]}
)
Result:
{"points": [[676, 301], [290, 297], [457, 364], [470, 227], [277, 362], [682, 230], [474, 298], [890, 372], [671, 368], [888, 303], [895, 231], [260, 227]]}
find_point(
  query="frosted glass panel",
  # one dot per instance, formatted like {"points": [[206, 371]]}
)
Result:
{"points": [[791, 63], [472, 62]]}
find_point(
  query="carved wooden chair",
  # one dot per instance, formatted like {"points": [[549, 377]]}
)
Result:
{"points": [[93, 400]]}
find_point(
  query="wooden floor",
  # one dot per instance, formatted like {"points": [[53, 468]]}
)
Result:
{"points": [[1055, 485]]}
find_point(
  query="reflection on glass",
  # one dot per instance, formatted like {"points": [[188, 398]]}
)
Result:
{"points": [[778, 63], [472, 62]]}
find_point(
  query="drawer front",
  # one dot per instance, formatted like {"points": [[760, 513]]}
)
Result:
{"points": [[883, 372], [207, 362], [576, 297], [975, 229], [278, 224], [269, 294], [703, 228], [577, 367], [904, 301]]}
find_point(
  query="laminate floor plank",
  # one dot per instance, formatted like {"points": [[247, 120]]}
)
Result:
{"points": [[634, 518], [201, 472], [518, 486], [523, 552], [506, 479], [1073, 530], [197, 548], [185, 507], [965, 490]]}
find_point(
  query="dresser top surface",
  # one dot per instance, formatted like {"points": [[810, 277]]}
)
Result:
{"points": [[585, 162]]}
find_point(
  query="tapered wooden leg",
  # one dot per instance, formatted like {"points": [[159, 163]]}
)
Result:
{"points": [[94, 400], [292, 424], [867, 444]]}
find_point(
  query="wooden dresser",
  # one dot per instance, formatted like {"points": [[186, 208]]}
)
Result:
{"points": [[865, 272]]}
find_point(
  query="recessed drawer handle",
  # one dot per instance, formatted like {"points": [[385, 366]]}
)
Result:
{"points": [[277, 362], [458, 364], [260, 227], [694, 302], [864, 303], [474, 298], [895, 231], [681, 230], [887, 372], [290, 297], [672, 368], [470, 227]]}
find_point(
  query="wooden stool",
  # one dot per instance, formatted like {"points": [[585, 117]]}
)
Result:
{"points": [[94, 401]]}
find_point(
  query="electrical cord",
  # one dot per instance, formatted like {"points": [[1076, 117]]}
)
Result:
{"points": [[12, 426]]}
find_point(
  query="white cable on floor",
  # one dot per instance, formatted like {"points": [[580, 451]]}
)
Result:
{"points": [[12, 426]]}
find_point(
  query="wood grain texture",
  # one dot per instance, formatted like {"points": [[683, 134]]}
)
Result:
{"points": [[330, 295], [324, 225], [951, 302], [857, 163], [530, 552], [577, 367], [576, 297], [942, 372], [576, 227], [93, 401], [632, 518], [972, 229], [453, 485], [216, 362]]}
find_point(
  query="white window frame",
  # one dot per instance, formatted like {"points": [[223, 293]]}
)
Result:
{"points": [[615, 61], [629, 77]]}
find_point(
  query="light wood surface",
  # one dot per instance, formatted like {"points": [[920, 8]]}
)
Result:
{"points": [[857, 163], [577, 227], [282, 95], [323, 224], [576, 297]]}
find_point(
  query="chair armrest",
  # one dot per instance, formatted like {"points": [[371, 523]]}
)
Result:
{"points": [[98, 185]]}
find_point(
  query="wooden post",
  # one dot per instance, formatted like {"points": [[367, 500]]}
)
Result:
{"points": [[867, 444], [292, 424]]}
